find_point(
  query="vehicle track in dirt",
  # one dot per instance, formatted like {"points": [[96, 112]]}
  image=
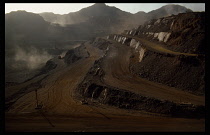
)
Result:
{"points": [[66, 113], [156, 47], [116, 67]]}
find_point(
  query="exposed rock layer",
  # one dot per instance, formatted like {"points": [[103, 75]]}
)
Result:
{"points": [[176, 57]]}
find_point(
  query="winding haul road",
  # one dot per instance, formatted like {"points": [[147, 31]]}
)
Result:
{"points": [[63, 112], [155, 46], [116, 67]]}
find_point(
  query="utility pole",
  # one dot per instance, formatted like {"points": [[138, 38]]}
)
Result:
{"points": [[37, 104], [36, 99]]}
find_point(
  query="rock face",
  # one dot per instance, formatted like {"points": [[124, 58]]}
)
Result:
{"points": [[49, 66], [128, 100], [183, 33], [162, 36], [76, 54], [133, 43], [141, 53], [100, 43]]}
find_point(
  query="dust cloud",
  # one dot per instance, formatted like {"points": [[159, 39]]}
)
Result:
{"points": [[30, 59]]}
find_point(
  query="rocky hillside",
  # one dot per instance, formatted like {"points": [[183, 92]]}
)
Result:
{"points": [[169, 50], [182, 33]]}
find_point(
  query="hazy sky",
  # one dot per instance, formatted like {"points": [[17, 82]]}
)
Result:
{"points": [[65, 8]]}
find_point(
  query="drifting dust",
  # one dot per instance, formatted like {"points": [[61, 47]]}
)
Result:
{"points": [[31, 59]]}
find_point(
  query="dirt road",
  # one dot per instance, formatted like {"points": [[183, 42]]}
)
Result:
{"points": [[116, 67], [157, 47], [58, 87], [95, 123], [63, 113]]}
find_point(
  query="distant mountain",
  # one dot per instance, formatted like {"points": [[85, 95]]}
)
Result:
{"points": [[85, 14], [25, 24], [24, 28], [100, 17], [102, 14], [96, 20], [167, 11]]}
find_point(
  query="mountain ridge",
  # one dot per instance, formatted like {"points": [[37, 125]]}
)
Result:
{"points": [[32, 30], [88, 10]]}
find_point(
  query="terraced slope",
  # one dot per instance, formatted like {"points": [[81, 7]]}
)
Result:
{"points": [[123, 83], [169, 50], [63, 111]]}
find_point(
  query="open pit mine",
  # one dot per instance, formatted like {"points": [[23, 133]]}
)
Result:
{"points": [[147, 79]]}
